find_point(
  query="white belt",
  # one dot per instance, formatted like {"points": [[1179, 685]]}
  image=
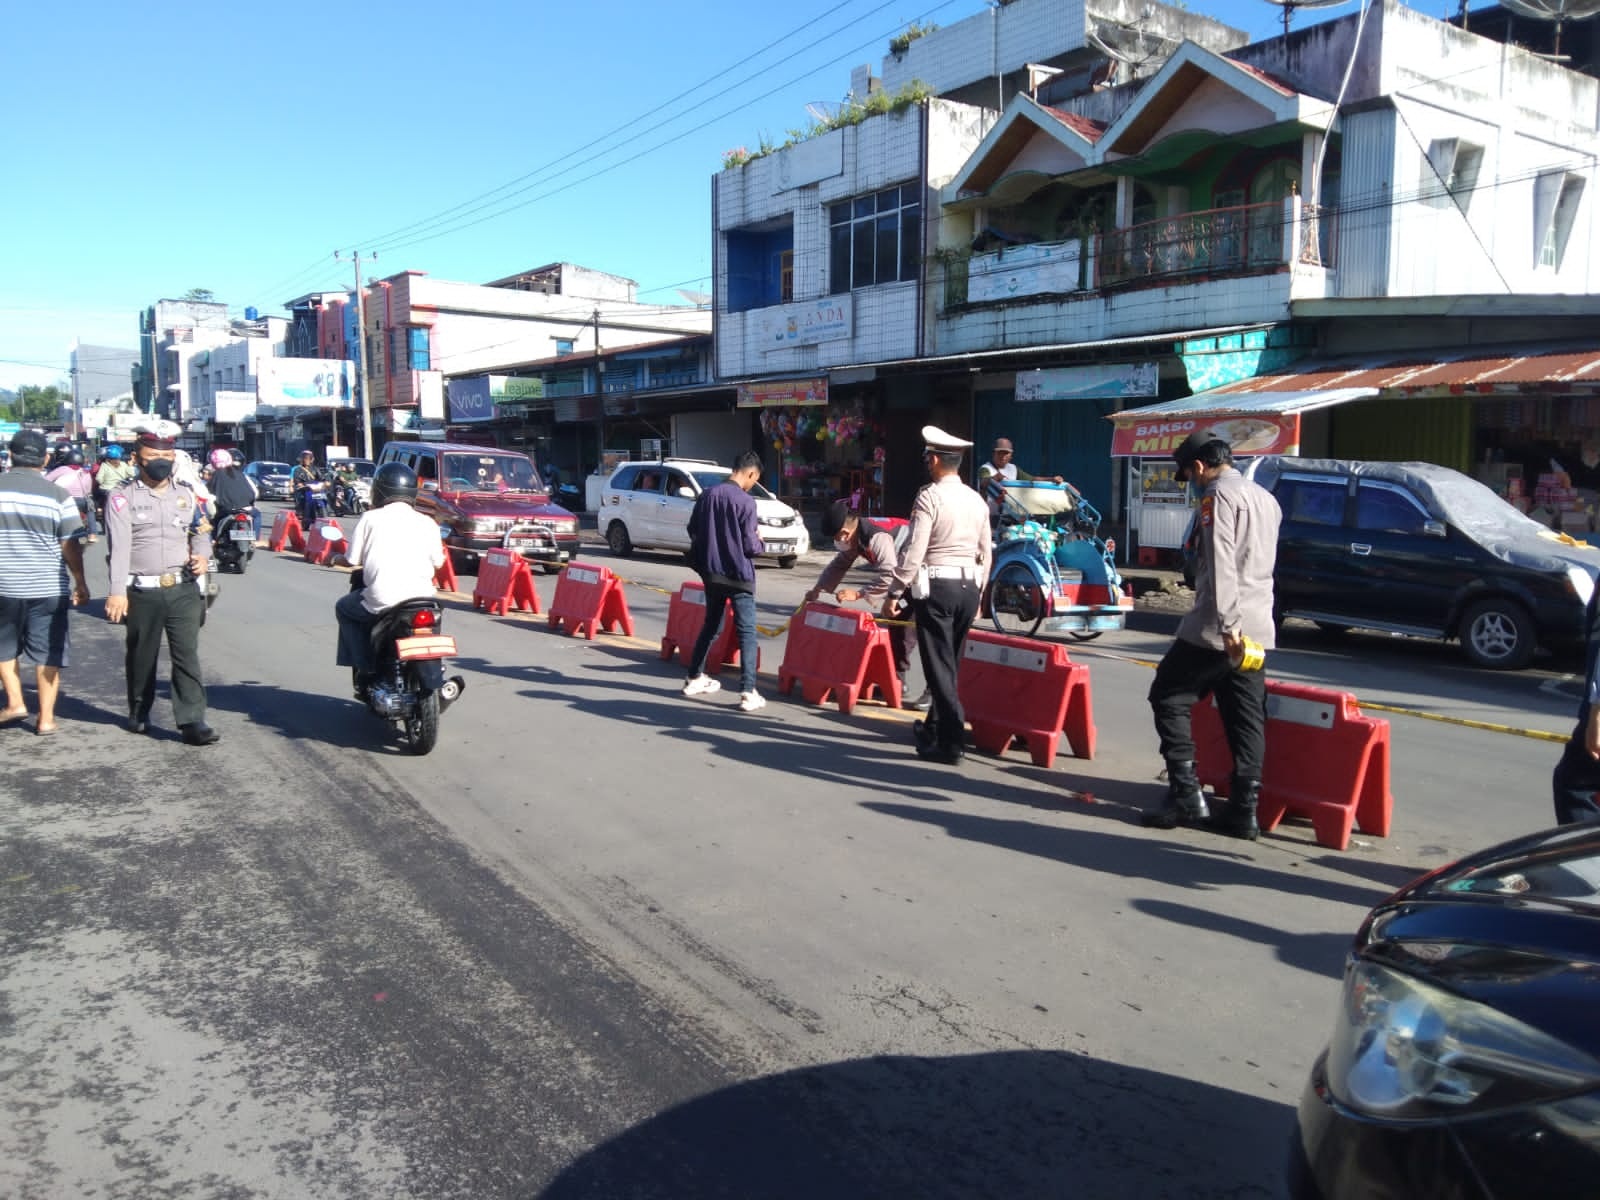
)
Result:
{"points": [[170, 579], [952, 572]]}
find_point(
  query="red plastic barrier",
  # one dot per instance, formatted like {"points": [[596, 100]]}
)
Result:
{"points": [[1324, 761], [504, 584], [840, 652], [323, 540], [590, 597], [444, 579], [286, 532], [1014, 688], [685, 615]]}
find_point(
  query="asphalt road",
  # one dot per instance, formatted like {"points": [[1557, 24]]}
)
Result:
{"points": [[606, 942]]}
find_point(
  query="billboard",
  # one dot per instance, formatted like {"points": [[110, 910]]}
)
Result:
{"points": [[306, 383], [1260, 433], [808, 323], [1093, 381], [469, 400]]}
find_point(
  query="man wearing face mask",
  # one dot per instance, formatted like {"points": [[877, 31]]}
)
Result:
{"points": [[160, 544]]}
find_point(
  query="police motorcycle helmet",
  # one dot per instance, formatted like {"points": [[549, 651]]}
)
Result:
{"points": [[393, 482]]}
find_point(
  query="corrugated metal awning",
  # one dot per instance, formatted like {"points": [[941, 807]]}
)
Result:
{"points": [[1222, 402], [1454, 371]]}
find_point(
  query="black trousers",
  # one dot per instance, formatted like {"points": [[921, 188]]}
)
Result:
{"points": [[943, 620], [1189, 673], [178, 612], [1576, 781]]}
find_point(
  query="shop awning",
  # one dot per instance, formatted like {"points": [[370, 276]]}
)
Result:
{"points": [[1262, 422], [1463, 370]]}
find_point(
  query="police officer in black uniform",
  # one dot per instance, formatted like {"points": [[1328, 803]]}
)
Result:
{"points": [[160, 544]]}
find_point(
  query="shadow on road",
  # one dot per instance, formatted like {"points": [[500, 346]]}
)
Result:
{"points": [[1022, 1123], [330, 720], [1319, 953]]}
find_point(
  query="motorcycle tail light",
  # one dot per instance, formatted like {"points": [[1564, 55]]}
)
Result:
{"points": [[422, 620]]}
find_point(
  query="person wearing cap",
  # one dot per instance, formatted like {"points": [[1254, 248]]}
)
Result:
{"points": [[38, 549], [855, 537], [160, 544], [943, 566], [1236, 548], [1000, 470]]}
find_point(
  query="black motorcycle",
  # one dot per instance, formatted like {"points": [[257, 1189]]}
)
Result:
{"points": [[410, 688], [233, 541], [347, 501]]}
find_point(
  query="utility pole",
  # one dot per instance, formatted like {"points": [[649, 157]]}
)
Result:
{"points": [[361, 355], [600, 397]]}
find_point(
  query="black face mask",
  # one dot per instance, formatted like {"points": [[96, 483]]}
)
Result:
{"points": [[159, 470]]}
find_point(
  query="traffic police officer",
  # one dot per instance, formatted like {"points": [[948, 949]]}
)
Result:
{"points": [[1236, 545], [943, 567], [160, 544]]}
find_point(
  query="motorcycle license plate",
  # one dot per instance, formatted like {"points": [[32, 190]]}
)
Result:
{"points": [[432, 646], [242, 535]]}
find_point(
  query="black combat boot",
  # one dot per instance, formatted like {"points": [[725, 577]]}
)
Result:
{"points": [[1185, 803], [1237, 817]]}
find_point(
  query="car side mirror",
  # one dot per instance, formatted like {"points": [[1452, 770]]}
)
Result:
{"points": [[1434, 529], [430, 486], [686, 493]]}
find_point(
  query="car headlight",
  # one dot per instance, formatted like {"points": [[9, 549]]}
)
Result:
{"points": [[1581, 582], [1407, 1050], [491, 525]]}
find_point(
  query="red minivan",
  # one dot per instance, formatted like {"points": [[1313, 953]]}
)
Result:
{"points": [[484, 499]]}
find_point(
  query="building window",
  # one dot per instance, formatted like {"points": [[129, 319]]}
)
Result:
{"points": [[757, 256], [1450, 174], [1556, 195], [421, 360], [874, 239], [563, 346]]}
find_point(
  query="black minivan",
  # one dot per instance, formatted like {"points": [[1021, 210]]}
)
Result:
{"points": [[1419, 549]]}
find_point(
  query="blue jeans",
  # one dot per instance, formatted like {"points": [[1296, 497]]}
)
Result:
{"points": [[744, 620]]}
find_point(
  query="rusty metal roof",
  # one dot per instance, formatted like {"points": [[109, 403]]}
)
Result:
{"points": [[1465, 370]]}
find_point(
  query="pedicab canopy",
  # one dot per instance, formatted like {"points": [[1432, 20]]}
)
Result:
{"points": [[1250, 422]]}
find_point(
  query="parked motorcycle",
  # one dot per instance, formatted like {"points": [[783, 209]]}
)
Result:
{"points": [[233, 541], [410, 688]]}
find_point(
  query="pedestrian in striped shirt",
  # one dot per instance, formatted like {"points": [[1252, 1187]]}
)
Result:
{"points": [[38, 548]]}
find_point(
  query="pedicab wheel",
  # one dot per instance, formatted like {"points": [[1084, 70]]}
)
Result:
{"points": [[1016, 603], [1084, 635]]}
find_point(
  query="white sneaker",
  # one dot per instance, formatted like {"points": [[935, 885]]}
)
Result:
{"points": [[751, 702], [701, 685]]}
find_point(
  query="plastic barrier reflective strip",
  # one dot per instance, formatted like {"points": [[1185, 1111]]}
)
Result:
{"points": [[435, 646], [1018, 688], [588, 598], [685, 616], [323, 541], [504, 584], [1324, 760], [286, 532], [838, 652]]}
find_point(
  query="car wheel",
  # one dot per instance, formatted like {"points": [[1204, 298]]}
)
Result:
{"points": [[619, 541], [551, 568], [788, 561], [1497, 633], [463, 564]]}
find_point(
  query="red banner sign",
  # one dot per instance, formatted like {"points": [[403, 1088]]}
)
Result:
{"points": [[783, 393], [1269, 433]]}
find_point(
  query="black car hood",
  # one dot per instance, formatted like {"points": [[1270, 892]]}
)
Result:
{"points": [[1457, 500], [1516, 927]]}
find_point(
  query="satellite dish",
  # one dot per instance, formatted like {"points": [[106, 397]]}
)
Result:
{"points": [[1558, 12], [698, 299], [1289, 7], [1110, 51]]}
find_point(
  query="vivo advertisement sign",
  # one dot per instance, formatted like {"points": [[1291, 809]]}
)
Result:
{"points": [[306, 383], [469, 399]]}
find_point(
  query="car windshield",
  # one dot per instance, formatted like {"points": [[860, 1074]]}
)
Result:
{"points": [[272, 468], [490, 473], [365, 468], [710, 479]]}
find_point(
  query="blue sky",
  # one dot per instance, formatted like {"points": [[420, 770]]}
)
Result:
{"points": [[235, 147]]}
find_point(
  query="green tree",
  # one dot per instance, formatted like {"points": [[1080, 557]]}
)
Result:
{"points": [[198, 296], [35, 405]]}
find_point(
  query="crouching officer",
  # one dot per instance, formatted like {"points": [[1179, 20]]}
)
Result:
{"points": [[160, 544]]}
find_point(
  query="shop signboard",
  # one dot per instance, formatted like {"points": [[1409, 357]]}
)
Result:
{"points": [[233, 406], [306, 383], [430, 394], [783, 393], [469, 400], [806, 324], [1094, 381], [514, 389], [1266, 433], [1042, 269]]}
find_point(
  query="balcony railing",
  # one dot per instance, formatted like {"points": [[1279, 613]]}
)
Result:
{"points": [[1248, 237]]}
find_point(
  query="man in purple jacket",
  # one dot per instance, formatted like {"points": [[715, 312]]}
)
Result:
{"points": [[723, 545]]}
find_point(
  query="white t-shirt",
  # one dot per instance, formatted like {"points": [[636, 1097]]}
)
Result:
{"points": [[398, 549]]}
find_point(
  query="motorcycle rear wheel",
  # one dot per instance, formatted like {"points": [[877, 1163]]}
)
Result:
{"points": [[422, 727]]}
